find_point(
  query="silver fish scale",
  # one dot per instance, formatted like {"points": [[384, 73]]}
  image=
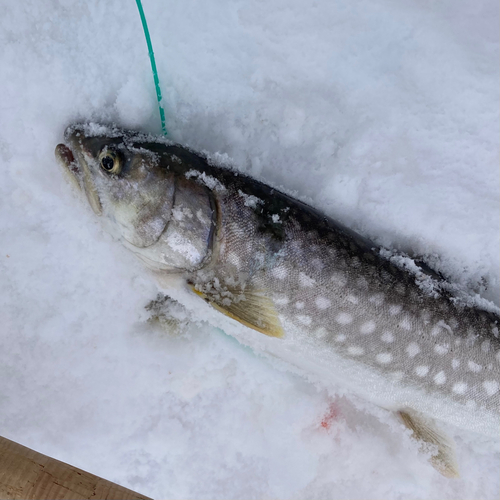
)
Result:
{"points": [[339, 293]]}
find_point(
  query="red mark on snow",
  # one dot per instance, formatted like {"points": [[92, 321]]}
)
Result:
{"points": [[330, 416]]}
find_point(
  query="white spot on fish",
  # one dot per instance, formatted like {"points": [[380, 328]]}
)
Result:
{"points": [[234, 259], [436, 330], [412, 349], [281, 301], [323, 303], [368, 327], [485, 346], [422, 370], [296, 246], [305, 320], [494, 331], [355, 350], [340, 337], [387, 337], [279, 272], [384, 358], [491, 387], [377, 299], [299, 305], [426, 317], [471, 404], [405, 323], [459, 388], [362, 283], [317, 264], [339, 279], [306, 281], [471, 339], [321, 332], [455, 363], [343, 318], [352, 299], [497, 355], [395, 309], [441, 349], [440, 378], [474, 367], [397, 375]]}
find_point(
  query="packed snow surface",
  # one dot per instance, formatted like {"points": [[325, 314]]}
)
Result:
{"points": [[382, 114]]}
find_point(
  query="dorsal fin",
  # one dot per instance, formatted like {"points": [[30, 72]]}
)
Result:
{"points": [[251, 308], [444, 461]]}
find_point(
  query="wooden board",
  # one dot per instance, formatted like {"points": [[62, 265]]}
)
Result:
{"points": [[26, 474]]}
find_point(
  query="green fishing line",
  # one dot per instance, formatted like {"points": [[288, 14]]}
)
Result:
{"points": [[153, 65]]}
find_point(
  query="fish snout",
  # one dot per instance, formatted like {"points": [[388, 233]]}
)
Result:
{"points": [[66, 159]]}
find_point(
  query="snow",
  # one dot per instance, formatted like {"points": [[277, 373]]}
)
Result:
{"points": [[382, 114]]}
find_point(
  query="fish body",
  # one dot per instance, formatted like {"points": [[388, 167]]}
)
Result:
{"points": [[309, 289]]}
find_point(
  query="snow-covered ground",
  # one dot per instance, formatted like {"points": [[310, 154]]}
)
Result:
{"points": [[382, 114]]}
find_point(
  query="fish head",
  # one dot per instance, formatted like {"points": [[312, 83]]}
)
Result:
{"points": [[128, 182]]}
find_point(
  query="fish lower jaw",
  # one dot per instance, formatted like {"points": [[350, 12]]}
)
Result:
{"points": [[152, 264]]}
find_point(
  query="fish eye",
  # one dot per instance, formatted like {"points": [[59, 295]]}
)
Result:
{"points": [[110, 161]]}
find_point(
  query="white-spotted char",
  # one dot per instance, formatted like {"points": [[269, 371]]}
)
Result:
{"points": [[330, 299]]}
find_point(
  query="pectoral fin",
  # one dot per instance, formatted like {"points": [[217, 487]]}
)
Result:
{"points": [[424, 430], [250, 307]]}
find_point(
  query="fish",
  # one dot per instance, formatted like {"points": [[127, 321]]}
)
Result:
{"points": [[299, 284]]}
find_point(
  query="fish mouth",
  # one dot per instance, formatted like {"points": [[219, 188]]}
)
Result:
{"points": [[78, 172], [66, 159]]}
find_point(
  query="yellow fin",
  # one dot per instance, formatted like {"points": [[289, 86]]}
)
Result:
{"points": [[444, 461], [254, 310]]}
